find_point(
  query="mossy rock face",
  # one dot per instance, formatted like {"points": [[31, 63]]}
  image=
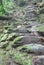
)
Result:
{"points": [[40, 28], [42, 17], [12, 43]]}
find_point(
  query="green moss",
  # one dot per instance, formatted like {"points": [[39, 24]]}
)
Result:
{"points": [[1, 10], [40, 28], [41, 17], [22, 58], [3, 57]]}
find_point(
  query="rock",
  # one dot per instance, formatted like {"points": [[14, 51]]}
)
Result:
{"points": [[38, 60], [33, 48]]}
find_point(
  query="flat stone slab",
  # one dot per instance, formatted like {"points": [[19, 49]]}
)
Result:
{"points": [[38, 60]]}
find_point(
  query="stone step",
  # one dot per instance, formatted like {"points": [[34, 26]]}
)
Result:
{"points": [[38, 60]]}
